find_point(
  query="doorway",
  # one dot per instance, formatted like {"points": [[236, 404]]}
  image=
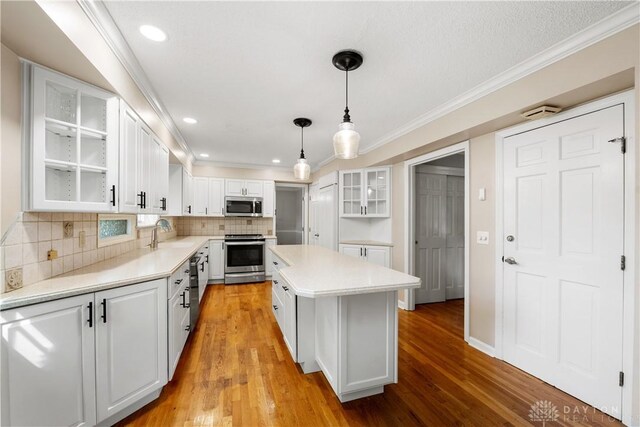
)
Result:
{"points": [[291, 214], [439, 229], [437, 226]]}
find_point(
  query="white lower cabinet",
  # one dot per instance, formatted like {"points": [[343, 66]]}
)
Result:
{"points": [[216, 259], [379, 255], [83, 359], [48, 364], [268, 256], [290, 312], [178, 311]]}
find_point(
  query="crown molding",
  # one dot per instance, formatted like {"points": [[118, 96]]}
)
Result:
{"points": [[100, 17], [612, 24], [205, 163]]}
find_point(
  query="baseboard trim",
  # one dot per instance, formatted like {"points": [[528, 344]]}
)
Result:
{"points": [[481, 346]]}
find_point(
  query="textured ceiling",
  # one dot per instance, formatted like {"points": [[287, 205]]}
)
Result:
{"points": [[245, 70]]}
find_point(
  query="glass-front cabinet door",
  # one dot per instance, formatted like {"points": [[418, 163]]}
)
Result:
{"points": [[377, 187], [351, 203], [74, 145]]}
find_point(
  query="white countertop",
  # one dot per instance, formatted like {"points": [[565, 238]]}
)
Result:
{"points": [[314, 271], [365, 243], [139, 265]]}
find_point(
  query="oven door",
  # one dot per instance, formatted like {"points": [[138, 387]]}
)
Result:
{"points": [[243, 257]]}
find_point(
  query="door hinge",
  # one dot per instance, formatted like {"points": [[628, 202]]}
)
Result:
{"points": [[621, 379], [623, 262], [623, 143]]}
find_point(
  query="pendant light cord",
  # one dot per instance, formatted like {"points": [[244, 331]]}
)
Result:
{"points": [[302, 142], [346, 117]]}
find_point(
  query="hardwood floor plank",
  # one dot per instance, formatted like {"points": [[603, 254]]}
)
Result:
{"points": [[236, 371]]}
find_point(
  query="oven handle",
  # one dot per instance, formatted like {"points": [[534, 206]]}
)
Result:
{"points": [[243, 243]]}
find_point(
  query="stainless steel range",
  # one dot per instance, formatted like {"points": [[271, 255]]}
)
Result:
{"points": [[244, 258]]}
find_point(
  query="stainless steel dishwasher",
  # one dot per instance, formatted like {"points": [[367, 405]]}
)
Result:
{"points": [[194, 300]]}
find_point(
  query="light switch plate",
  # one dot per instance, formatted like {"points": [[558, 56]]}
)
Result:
{"points": [[482, 237], [482, 194]]}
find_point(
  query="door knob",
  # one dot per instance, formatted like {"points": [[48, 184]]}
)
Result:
{"points": [[317, 235], [510, 260]]}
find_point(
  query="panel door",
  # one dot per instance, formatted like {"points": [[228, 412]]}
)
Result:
{"points": [[187, 193], [145, 159], [563, 206], [216, 259], [351, 197], [48, 364], [216, 197], [378, 255], [163, 177], [269, 196], [176, 313], [200, 196], [454, 262], [328, 218], [234, 187], [131, 344], [290, 330], [355, 251], [430, 227], [253, 188], [128, 188]]}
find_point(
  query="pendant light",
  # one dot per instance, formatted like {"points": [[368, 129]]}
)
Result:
{"points": [[346, 140], [302, 170]]}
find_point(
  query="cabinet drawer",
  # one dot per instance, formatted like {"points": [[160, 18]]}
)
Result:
{"points": [[276, 285], [277, 263], [178, 280], [277, 307]]}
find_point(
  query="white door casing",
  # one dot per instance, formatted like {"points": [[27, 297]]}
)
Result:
{"points": [[454, 263], [563, 299]]}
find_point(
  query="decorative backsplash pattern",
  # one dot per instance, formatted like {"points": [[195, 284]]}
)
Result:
{"points": [[206, 226], [25, 249], [112, 227]]}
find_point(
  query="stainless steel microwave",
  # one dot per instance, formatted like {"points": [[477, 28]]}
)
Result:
{"points": [[243, 206]]}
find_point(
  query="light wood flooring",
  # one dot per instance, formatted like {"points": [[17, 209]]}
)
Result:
{"points": [[236, 370]]}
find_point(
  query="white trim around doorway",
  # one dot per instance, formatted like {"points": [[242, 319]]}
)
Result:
{"points": [[409, 209], [631, 330]]}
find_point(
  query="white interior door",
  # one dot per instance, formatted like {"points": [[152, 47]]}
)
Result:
{"points": [[327, 217], [314, 206], [563, 208], [454, 263], [431, 238]]}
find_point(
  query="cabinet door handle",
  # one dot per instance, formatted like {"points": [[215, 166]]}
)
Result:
{"points": [[206, 259], [285, 288], [163, 202], [188, 328], [104, 310], [275, 282], [141, 204], [365, 210], [113, 195], [206, 211], [360, 210], [189, 208], [360, 251], [179, 281], [275, 263], [275, 307], [90, 319], [144, 199], [365, 251], [202, 267], [183, 303]]}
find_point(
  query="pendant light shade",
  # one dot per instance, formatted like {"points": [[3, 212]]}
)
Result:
{"points": [[302, 170], [346, 141]]}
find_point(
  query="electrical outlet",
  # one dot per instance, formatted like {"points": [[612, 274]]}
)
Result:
{"points": [[13, 279], [52, 254], [203, 224]]}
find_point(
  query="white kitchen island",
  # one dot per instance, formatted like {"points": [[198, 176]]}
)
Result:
{"points": [[339, 314]]}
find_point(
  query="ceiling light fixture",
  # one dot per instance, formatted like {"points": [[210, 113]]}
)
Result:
{"points": [[190, 120], [346, 140], [302, 170], [275, 161], [153, 33], [205, 155]]}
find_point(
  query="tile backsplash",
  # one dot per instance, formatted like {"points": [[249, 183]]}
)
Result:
{"points": [[206, 226], [24, 251]]}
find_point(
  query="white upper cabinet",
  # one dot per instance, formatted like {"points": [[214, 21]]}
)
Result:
{"points": [[200, 196], [144, 166], [241, 187], [269, 197], [187, 193], [365, 193], [73, 146], [216, 197]]}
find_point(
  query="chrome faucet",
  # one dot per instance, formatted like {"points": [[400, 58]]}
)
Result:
{"points": [[162, 223]]}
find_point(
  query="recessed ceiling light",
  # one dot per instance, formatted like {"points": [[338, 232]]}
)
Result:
{"points": [[205, 155], [190, 120], [276, 160], [153, 33]]}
